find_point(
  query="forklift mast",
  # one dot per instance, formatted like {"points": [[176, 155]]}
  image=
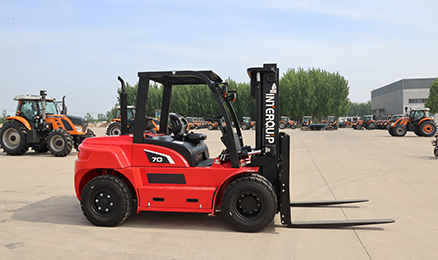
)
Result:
{"points": [[265, 91]]}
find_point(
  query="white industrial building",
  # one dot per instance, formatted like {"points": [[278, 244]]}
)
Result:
{"points": [[393, 98]]}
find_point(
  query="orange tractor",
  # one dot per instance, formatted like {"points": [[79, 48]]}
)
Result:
{"points": [[286, 122], [367, 122], [419, 121], [115, 128], [37, 124], [247, 123]]}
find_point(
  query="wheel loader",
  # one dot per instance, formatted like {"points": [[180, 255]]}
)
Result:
{"points": [[37, 124], [172, 171]]}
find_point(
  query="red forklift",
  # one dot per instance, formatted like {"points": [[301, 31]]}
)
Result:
{"points": [[172, 171]]}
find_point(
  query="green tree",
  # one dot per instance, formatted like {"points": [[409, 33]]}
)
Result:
{"points": [[89, 117], [358, 109], [313, 92], [432, 100], [4, 115]]}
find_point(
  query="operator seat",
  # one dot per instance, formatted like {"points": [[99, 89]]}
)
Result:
{"points": [[179, 130]]}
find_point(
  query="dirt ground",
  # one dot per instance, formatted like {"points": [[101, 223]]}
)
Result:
{"points": [[40, 217]]}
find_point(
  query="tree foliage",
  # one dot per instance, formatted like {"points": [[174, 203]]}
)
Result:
{"points": [[313, 92], [358, 109], [432, 100]]}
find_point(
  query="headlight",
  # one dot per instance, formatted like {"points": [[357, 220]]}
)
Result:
{"points": [[78, 128]]}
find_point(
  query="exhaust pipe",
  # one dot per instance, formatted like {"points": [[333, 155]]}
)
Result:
{"points": [[43, 94], [123, 108]]}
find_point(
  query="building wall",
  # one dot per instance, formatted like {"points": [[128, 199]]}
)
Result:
{"points": [[393, 98], [387, 100]]}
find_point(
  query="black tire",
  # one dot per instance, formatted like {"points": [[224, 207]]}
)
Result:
{"points": [[281, 125], [435, 152], [253, 127], [210, 127], [40, 148], [13, 138], [60, 142], [391, 131], [107, 200], [427, 128], [115, 128], [399, 130], [293, 126], [249, 203], [371, 126]]}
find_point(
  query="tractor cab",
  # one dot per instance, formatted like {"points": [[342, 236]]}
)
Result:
{"points": [[131, 114], [30, 107]]}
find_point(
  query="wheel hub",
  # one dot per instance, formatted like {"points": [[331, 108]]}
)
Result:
{"points": [[11, 138], [57, 143], [249, 203], [104, 201]]}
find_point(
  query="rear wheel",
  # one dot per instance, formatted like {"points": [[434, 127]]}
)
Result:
{"points": [[427, 129], [249, 203], [60, 142], [13, 138], [399, 130], [107, 200], [282, 125], [115, 128], [210, 127]]}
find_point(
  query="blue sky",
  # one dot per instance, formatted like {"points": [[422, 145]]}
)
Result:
{"points": [[78, 48]]}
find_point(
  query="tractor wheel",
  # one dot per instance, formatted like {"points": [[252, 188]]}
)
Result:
{"points": [[107, 200], [427, 129], [399, 130], [391, 131], [253, 127], [371, 126], [40, 148], [13, 138], [60, 142], [435, 151], [293, 126], [249, 203], [210, 127], [282, 125], [115, 128], [244, 127]]}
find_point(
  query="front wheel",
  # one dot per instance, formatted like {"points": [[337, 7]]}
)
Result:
{"points": [[60, 142], [115, 128], [371, 126], [249, 203], [282, 125], [107, 200], [399, 130]]}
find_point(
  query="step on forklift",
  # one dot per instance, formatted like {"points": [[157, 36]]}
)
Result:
{"points": [[171, 170]]}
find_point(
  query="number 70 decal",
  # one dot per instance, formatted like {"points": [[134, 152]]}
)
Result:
{"points": [[155, 157]]}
